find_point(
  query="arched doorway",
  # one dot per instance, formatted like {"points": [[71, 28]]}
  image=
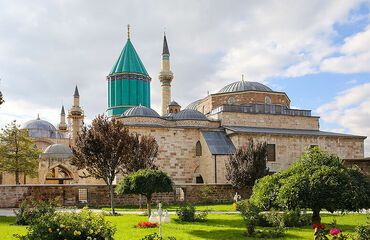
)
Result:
{"points": [[58, 175]]}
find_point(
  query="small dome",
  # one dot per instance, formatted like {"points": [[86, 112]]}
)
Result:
{"points": [[244, 86], [193, 105], [189, 114], [173, 103], [41, 129], [140, 111], [57, 151]]}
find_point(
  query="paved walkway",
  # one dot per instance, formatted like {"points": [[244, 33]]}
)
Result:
{"points": [[9, 212]]}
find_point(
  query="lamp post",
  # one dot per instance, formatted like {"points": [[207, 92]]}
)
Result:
{"points": [[160, 216], [236, 197]]}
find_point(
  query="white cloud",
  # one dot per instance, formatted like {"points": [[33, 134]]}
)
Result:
{"points": [[356, 55], [350, 109]]}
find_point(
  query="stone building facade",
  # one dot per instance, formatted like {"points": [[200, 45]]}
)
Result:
{"points": [[195, 142]]}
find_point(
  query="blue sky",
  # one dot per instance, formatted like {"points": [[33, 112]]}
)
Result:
{"points": [[318, 52]]}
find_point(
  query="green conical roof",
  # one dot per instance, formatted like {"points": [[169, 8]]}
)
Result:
{"points": [[129, 61]]}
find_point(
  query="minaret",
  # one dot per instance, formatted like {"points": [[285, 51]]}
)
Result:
{"points": [[165, 76], [76, 115], [62, 127]]}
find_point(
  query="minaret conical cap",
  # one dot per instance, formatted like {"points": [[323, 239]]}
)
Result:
{"points": [[165, 46], [76, 94], [62, 112]]}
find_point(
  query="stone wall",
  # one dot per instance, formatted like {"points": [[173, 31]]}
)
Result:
{"points": [[267, 120], [212, 101], [98, 195], [363, 164], [289, 147]]}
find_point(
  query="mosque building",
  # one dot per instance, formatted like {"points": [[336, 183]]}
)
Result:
{"points": [[194, 142]]}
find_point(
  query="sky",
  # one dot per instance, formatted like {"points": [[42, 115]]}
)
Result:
{"points": [[318, 52]]}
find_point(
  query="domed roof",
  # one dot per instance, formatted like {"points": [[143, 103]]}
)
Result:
{"points": [[193, 105], [189, 114], [140, 111], [57, 151], [41, 129], [245, 86], [173, 103]]}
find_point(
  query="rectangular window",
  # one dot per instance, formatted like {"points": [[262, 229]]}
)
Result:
{"points": [[271, 156], [82, 195]]}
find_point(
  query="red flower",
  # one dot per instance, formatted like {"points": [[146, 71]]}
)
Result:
{"points": [[322, 226], [314, 226], [40, 198]]}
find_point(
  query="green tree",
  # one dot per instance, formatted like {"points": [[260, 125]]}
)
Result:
{"points": [[17, 152], [247, 164], [318, 180], [145, 182], [102, 150]]}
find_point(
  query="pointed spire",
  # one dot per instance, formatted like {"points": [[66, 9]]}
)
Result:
{"points": [[128, 31], [62, 112], [165, 46], [38, 117], [76, 94]]}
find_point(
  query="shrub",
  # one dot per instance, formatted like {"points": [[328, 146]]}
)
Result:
{"points": [[70, 225], [362, 232], [30, 210], [186, 213], [155, 236], [291, 218]]}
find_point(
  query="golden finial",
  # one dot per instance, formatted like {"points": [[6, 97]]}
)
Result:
{"points": [[128, 31]]}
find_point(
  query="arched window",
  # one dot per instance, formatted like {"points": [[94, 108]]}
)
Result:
{"points": [[198, 149], [267, 100]]}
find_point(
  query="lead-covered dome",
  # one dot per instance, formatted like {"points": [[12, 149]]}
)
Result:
{"points": [[245, 86], [189, 114], [140, 111], [57, 151], [41, 129], [193, 105]]}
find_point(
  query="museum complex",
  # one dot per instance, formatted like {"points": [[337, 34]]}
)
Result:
{"points": [[194, 141]]}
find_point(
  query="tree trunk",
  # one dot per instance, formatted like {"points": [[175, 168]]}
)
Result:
{"points": [[17, 178], [148, 201], [111, 198], [24, 178], [316, 219]]}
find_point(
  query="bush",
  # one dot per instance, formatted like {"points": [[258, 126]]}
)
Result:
{"points": [[362, 232], [186, 213], [30, 210], [155, 236], [70, 225], [292, 218]]}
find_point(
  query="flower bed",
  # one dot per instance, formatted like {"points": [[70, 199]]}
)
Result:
{"points": [[147, 225]]}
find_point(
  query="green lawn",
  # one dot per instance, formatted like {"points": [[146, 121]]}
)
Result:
{"points": [[217, 227], [225, 207]]}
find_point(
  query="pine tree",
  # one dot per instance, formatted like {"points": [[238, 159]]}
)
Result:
{"points": [[17, 152]]}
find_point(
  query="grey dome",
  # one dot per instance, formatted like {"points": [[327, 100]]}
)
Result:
{"points": [[57, 151], [41, 129], [245, 86], [173, 103], [189, 114], [193, 105], [140, 111]]}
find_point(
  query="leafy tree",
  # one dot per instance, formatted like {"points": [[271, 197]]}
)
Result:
{"points": [[318, 180], [247, 164], [143, 153], [17, 152], [145, 182], [102, 150]]}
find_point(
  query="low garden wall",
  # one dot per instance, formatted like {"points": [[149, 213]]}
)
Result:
{"points": [[98, 195]]}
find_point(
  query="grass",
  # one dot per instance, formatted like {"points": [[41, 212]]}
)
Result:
{"points": [[224, 207], [223, 226]]}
